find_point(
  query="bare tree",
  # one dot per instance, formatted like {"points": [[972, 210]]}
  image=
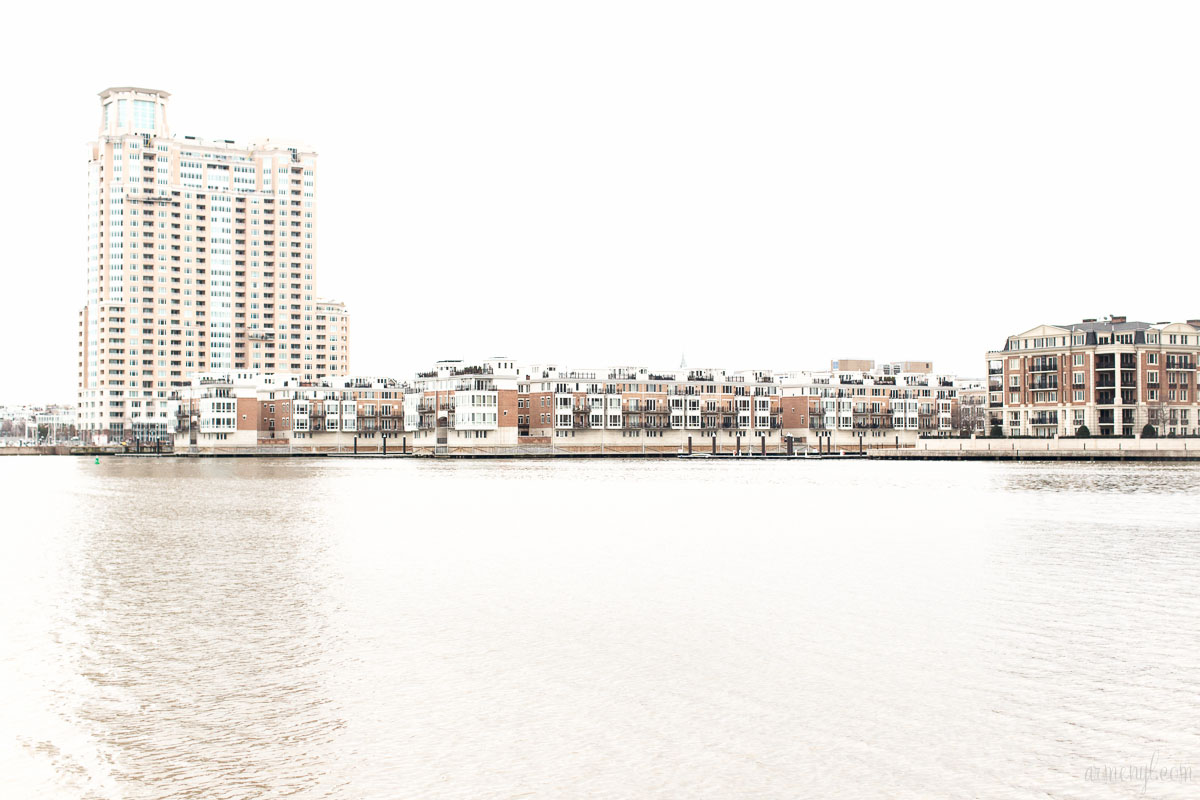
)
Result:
{"points": [[972, 418], [1158, 414]]}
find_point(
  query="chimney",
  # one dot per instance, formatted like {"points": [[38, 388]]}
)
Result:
{"points": [[1195, 323], [1115, 320]]}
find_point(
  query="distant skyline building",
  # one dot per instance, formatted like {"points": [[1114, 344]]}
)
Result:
{"points": [[201, 256]]}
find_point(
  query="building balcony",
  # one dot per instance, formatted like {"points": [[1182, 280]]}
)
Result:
{"points": [[454, 373]]}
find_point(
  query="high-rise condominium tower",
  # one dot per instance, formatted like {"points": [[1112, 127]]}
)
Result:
{"points": [[201, 256]]}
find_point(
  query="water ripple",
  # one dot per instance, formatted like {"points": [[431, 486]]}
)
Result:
{"points": [[609, 629]]}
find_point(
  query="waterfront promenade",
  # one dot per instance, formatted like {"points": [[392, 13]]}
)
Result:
{"points": [[1073, 449], [1093, 449]]}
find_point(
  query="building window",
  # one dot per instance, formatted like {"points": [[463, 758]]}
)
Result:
{"points": [[143, 114]]}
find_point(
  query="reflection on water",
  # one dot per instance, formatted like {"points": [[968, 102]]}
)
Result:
{"points": [[174, 618], [378, 629]]}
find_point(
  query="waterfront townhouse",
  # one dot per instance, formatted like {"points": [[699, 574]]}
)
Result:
{"points": [[497, 407], [972, 407], [638, 409], [857, 404], [459, 405], [1112, 376], [232, 410]]}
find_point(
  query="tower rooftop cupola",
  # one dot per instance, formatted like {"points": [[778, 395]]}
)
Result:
{"points": [[130, 109]]}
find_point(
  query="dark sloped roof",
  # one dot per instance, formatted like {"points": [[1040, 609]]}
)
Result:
{"points": [[1107, 326], [1092, 328]]}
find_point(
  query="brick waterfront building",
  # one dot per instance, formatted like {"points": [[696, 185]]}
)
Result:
{"points": [[1113, 376], [496, 405]]}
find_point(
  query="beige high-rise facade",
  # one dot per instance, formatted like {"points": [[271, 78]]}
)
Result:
{"points": [[201, 256], [333, 334]]}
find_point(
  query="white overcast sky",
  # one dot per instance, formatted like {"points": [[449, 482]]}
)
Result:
{"points": [[752, 184]]}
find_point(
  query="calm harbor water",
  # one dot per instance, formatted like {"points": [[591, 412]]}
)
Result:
{"points": [[399, 629]]}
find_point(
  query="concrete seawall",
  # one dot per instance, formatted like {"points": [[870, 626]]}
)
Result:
{"points": [[62, 450], [1095, 449]]}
